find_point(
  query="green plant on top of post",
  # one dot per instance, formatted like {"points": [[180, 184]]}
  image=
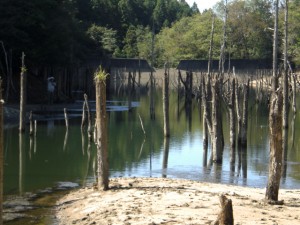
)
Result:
{"points": [[101, 129], [100, 74]]}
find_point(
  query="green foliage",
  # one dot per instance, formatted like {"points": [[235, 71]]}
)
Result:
{"points": [[53, 32], [65, 32], [294, 31], [104, 38], [248, 33], [188, 38], [100, 74]]}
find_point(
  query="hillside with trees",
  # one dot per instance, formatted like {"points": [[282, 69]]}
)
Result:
{"points": [[68, 32]]}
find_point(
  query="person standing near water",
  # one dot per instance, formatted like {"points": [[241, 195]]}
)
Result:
{"points": [[50, 88]]}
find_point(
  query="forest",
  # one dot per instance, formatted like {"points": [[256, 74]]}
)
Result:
{"points": [[71, 32]]}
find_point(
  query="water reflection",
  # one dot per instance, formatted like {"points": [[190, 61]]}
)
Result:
{"points": [[21, 161], [59, 155]]}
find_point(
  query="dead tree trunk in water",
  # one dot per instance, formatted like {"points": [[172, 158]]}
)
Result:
{"points": [[23, 95], [129, 86], [166, 102], [275, 126], [275, 161], [206, 98], [1, 154], [217, 132], [213, 118], [285, 74], [188, 86], [245, 115], [101, 124], [285, 112], [152, 109], [242, 114], [232, 121]]}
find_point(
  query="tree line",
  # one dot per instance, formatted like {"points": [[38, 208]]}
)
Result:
{"points": [[60, 32], [64, 32]]}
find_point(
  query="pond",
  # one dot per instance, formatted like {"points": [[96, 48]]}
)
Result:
{"points": [[54, 155]]}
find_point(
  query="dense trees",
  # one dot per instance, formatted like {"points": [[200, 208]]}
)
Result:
{"points": [[61, 32]]}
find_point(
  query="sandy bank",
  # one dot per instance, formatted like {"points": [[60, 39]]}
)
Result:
{"points": [[167, 201]]}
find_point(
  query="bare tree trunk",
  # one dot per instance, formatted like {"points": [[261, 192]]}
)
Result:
{"points": [[83, 118], [152, 110], [101, 141], [129, 87], [275, 50], [23, 95], [275, 125], [166, 102], [285, 75], [1, 154], [217, 133], [31, 124], [152, 107], [89, 130], [211, 42], [166, 156], [294, 93], [188, 86], [275, 161], [245, 115], [66, 118], [285, 112], [206, 97], [232, 120]]}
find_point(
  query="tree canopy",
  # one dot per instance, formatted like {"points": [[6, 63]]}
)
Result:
{"points": [[62, 32]]}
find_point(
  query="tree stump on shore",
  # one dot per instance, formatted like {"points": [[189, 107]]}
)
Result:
{"points": [[226, 214]]}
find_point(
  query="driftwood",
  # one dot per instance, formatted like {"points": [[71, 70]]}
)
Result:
{"points": [[226, 214]]}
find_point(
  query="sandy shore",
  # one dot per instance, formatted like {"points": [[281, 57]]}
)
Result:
{"points": [[166, 201]]}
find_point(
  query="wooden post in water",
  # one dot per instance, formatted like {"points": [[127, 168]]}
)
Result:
{"points": [[166, 102], [1, 154], [31, 124], [66, 118], [35, 127], [101, 124], [23, 95], [129, 88], [83, 120], [89, 116], [232, 121]]}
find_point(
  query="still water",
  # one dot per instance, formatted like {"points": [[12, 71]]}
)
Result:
{"points": [[54, 156]]}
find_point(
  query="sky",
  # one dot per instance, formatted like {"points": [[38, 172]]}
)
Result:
{"points": [[203, 4]]}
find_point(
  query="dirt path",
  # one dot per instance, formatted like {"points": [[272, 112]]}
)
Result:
{"points": [[166, 201]]}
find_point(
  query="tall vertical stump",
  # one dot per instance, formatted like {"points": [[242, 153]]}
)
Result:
{"points": [[101, 125]]}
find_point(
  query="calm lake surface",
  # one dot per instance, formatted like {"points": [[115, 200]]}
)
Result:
{"points": [[58, 156]]}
